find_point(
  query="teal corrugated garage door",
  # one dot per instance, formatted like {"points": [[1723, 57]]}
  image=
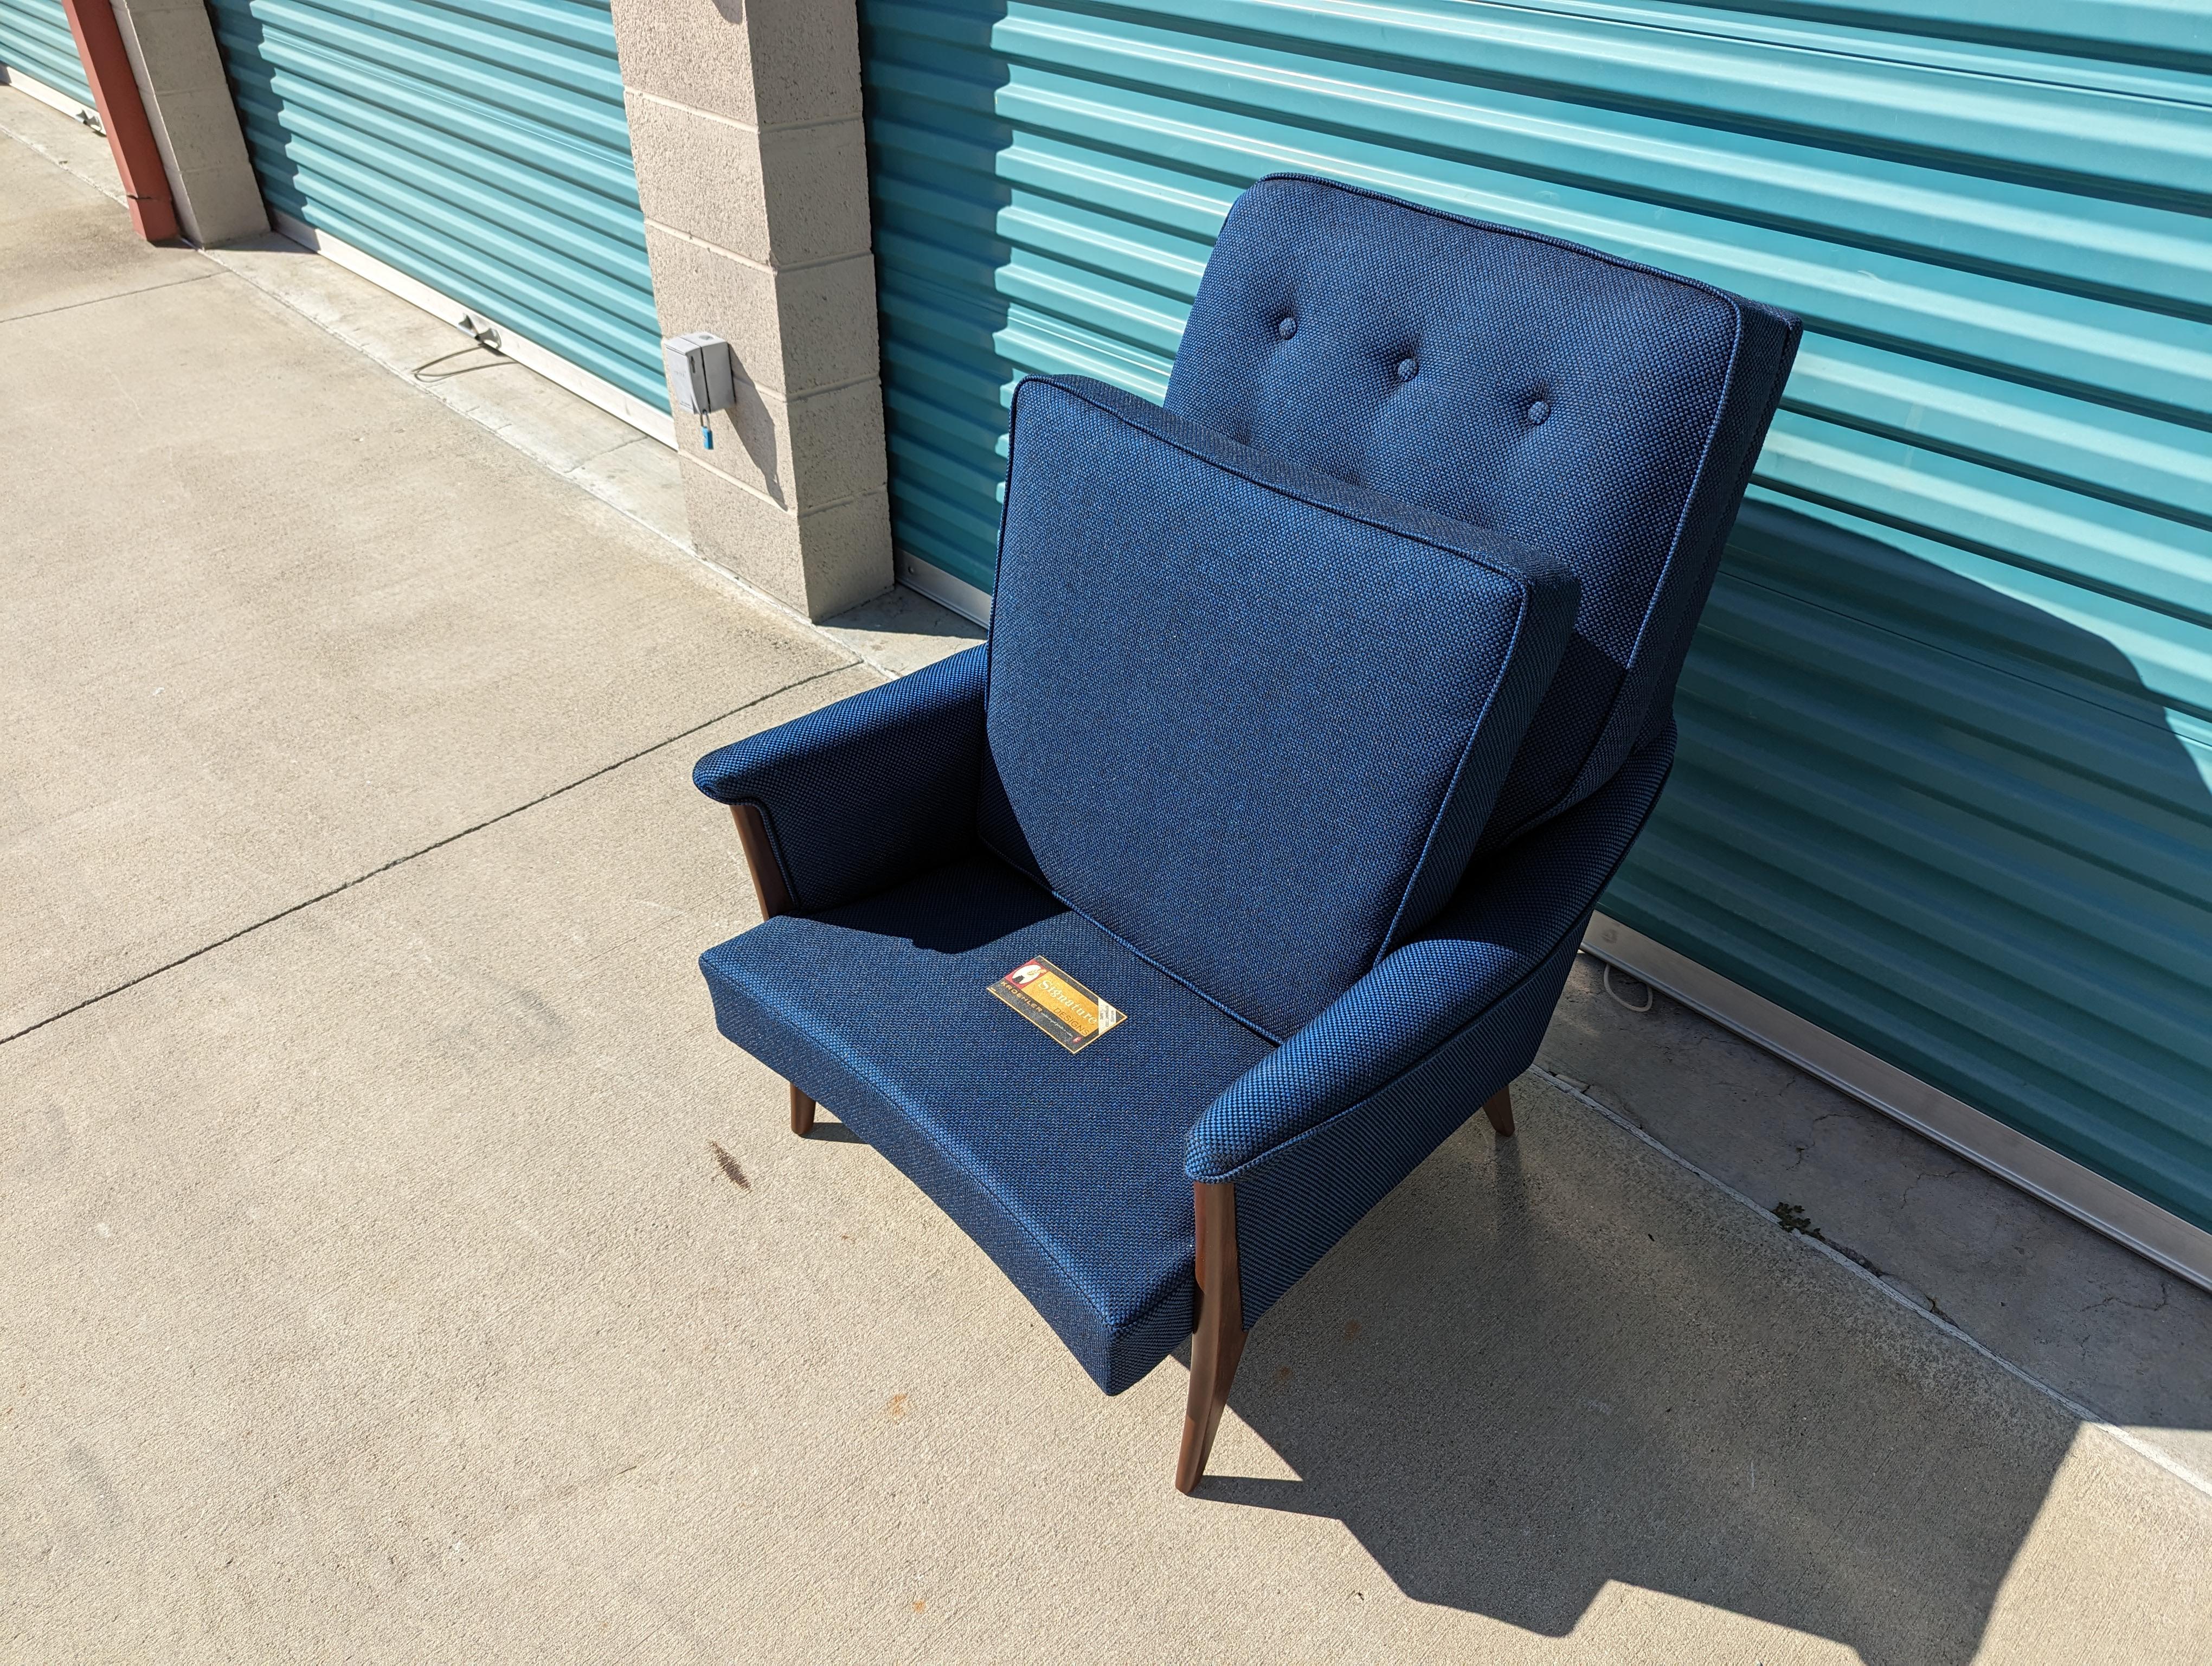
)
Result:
{"points": [[479, 147], [35, 39], [1948, 729]]}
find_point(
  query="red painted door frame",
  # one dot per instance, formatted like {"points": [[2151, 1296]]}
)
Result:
{"points": [[122, 113]]}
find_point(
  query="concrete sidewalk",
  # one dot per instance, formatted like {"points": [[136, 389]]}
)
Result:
{"points": [[400, 1268]]}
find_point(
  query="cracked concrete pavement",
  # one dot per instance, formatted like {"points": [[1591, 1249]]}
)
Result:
{"points": [[402, 1269], [2038, 1288]]}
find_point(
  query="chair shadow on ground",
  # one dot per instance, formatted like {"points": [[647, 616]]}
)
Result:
{"points": [[1514, 1389], [1521, 1378], [1546, 1365], [1512, 1383]]}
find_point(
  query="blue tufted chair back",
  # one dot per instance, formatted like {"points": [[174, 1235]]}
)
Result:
{"points": [[1596, 412]]}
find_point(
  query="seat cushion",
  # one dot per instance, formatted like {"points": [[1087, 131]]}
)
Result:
{"points": [[1067, 1167], [1245, 716], [1599, 412]]}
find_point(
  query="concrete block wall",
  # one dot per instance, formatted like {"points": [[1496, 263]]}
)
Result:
{"points": [[745, 127], [188, 104]]}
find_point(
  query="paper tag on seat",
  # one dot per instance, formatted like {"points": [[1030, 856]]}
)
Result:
{"points": [[1057, 1003]]}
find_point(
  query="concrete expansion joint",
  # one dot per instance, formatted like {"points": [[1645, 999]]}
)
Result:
{"points": [[1894, 1289], [101, 300], [848, 663]]}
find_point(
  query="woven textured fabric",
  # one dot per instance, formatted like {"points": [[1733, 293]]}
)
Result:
{"points": [[1321, 705], [1322, 1129], [861, 794], [1532, 896], [1067, 1168], [1248, 719], [1293, 1208], [1595, 411], [1768, 349]]}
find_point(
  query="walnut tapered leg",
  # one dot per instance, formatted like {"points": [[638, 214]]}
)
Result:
{"points": [[1500, 1112], [802, 1112], [1219, 1341]]}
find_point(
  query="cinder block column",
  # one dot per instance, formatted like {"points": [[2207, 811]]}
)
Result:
{"points": [[188, 105], [744, 119]]}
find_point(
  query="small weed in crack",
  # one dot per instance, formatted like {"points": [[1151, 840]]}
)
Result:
{"points": [[1795, 1219]]}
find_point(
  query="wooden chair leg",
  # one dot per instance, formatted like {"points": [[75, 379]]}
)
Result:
{"points": [[774, 898], [1219, 1341], [1500, 1112]]}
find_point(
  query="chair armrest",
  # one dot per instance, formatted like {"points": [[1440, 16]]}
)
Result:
{"points": [[867, 792], [1320, 1131]]}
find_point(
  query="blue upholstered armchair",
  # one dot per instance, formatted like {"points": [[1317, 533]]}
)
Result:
{"points": [[1160, 938]]}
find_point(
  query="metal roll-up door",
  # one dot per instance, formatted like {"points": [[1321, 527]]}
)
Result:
{"points": [[1945, 787], [478, 147], [35, 42]]}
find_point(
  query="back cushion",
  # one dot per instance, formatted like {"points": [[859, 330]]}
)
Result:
{"points": [[1246, 717], [1565, 399]]}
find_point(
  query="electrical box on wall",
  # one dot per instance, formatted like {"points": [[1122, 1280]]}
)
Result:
{"points": [[702, 376]]}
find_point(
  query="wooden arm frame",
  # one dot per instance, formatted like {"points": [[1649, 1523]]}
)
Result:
{"points": [[1217, 1341], [774, 898]]}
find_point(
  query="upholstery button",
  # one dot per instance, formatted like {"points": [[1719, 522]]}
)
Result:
{"points": [[1408, 369], [1538, 409], [1287, 327]]}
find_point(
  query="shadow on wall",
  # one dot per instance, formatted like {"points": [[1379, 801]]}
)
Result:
{"points": [[1990, 852]]}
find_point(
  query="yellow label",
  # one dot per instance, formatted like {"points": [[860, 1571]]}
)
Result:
{"points": [[1057, 1003]]}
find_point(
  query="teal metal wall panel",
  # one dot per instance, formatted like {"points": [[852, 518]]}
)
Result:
{"points": [[1946, 780], [35, 38], [479, 146]]}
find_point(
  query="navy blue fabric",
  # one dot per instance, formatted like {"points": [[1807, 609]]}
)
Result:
{"points": [[1259, 695], [1067, 1168], [861, 794], [1320, 1130], [1247, 718], [1593, 410], [1768, 349], [1292, 1209]]}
